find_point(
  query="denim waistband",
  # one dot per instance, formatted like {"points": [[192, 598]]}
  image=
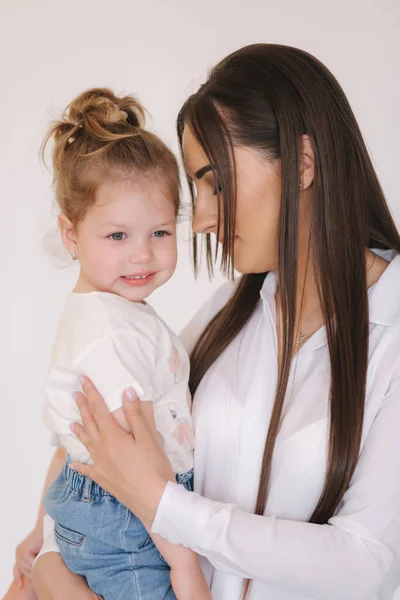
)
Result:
{"points": [[89, 488], [82, 484]]}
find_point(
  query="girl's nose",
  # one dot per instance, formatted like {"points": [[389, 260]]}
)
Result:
{"points": [[141, 253]]}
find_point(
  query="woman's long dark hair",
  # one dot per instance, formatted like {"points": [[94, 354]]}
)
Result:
{"points": [[266, 97]]}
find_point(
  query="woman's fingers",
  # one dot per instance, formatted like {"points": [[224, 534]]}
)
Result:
{"points": [[82, 435], [133, 413], [87, 418], [83, 469], [97, 406]]}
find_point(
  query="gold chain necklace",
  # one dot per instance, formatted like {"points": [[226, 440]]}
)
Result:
{"points": [[302, 338]]}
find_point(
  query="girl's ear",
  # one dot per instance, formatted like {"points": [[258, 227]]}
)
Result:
{"points": [[68, 235]]}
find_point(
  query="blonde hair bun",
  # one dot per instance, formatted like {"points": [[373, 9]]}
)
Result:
{"points": [[98, 111], [102, 135]]}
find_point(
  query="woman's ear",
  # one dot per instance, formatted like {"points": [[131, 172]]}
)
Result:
{"points": [[306, 162], [68, 235]]}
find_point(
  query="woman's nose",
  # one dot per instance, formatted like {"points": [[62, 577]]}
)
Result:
{"points": [[205, 218]]}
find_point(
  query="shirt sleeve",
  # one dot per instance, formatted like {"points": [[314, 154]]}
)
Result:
{"points": [[348, 558], [114, 363]]}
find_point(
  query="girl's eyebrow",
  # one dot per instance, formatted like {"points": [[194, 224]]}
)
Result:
{"points": [[167, 224]]}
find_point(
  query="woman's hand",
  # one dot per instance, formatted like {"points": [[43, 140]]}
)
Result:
{"points": [[25, 554], [52, 580], [131, 467]]}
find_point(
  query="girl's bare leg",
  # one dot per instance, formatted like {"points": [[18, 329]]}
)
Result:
{"points": [[26, 592]]}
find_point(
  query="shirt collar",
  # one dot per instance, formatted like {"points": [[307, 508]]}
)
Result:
{"points": [[384, 299]]}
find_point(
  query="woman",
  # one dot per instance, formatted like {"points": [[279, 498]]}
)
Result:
{"points": [[295, 370]]}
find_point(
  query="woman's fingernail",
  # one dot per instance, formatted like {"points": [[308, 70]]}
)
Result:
{"points": [[72, 427], [81, 379], [75, 396], [131, 395]]}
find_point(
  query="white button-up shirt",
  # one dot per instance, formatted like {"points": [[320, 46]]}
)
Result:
{"points": [[356, 556]]}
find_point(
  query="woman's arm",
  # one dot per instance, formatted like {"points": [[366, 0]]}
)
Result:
{"points": [[347, 558]]}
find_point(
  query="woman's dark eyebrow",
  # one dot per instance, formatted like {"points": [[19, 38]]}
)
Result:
{"points": [[201, 172]]}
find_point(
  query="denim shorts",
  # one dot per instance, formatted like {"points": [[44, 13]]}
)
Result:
{"points": [[102, 540]]}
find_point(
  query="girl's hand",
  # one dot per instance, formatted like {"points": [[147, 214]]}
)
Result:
{"points": [[52, 580], [131, 467], [25, 554]]}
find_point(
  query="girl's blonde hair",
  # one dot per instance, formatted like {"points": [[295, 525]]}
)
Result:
{"points": [[101, 136]]}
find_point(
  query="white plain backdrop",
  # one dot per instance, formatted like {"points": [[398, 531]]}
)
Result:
{"points": [[160, 50]]}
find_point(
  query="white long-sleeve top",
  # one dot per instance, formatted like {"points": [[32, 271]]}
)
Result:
{"points": [[356, 556]]}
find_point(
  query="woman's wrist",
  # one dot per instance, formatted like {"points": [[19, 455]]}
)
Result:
{"points": [[150, 511]]}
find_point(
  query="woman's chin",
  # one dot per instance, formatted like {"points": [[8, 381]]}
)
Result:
{"points": [[250, 268]]}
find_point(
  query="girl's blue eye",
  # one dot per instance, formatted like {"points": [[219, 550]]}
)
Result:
{"points": [[117, 237], [160, 234]]}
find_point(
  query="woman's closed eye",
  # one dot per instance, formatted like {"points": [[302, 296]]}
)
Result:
{"points": [[215, 183]]}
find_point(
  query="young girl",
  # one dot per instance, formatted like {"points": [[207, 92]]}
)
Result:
{"points": [[117, 186]]}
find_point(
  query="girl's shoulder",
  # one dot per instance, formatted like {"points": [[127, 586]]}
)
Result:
{"points": [[91, 317]]}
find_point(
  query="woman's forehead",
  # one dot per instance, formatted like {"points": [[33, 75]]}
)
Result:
{"points": [[194, 157]]}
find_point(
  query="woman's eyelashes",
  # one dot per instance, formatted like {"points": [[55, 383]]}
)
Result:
{"points": [[216, 184], [217, 189]]}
